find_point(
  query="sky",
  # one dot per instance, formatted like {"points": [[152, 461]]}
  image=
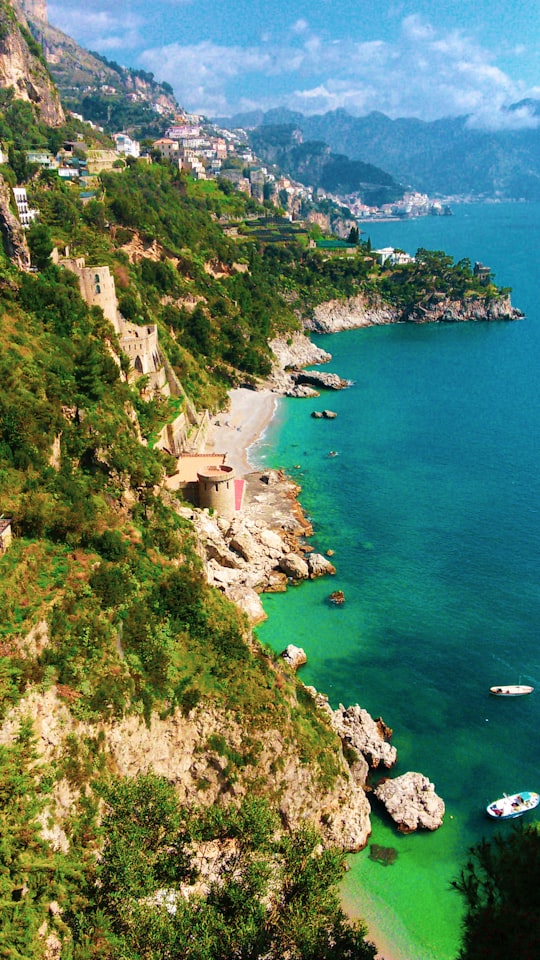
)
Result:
{"points": [[425, 59]]}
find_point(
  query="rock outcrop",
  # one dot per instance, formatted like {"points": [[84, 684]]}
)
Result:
{"points": [[24, 71], [319, 378], [412, 803], [336, 315], [368, 736], [294, 656], [474, 308], [171, 748]]}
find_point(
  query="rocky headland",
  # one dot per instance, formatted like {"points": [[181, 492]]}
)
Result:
{"points": [[356, 312]]}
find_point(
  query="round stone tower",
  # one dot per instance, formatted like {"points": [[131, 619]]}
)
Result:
{"points": [[217, 489]]}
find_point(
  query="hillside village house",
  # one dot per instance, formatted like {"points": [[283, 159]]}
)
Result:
{"points": [[6, 535], [26, 213], [126, 146], [167, 148]]}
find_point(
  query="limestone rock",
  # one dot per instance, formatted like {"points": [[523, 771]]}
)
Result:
{"points": [[218, 551], [301, 391], [294, 566], [244, 544], [294, 656], [329, 414], [335, 315], [368, 736], [319, 378], [412, 803], [249, 602], [26, 73], [319, 566], [273, 541]]}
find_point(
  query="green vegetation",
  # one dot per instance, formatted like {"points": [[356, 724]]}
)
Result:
{"points": [[501, 884], [105, 607], [433, 274], [119, 891]]}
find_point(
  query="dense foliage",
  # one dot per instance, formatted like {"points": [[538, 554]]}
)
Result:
{"points": [[501, 887]]}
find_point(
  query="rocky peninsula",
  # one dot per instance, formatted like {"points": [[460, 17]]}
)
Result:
{"points": [[356, 312]]}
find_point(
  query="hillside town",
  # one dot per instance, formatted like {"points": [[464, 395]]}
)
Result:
{"points": [[206, 152]]}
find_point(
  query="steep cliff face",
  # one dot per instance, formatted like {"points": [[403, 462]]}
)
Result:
{"points": [[22, 67], [80, 74], [194, 752], [336, 315]]}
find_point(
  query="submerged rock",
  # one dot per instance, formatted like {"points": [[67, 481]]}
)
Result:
{"points": [[384, 855], [337, 597], [412, 803]]}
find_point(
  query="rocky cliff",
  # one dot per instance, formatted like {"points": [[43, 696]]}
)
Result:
{"points": [[23, 69], [79, 73], [336, 315]]}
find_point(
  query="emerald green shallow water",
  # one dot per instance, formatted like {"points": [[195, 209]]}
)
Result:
{"points": [[432, 506]]}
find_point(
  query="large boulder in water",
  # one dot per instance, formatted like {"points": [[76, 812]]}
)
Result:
{"points": [[412, 803]]}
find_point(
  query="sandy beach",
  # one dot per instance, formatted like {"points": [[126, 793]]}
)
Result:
{"points": [[235, 430]]}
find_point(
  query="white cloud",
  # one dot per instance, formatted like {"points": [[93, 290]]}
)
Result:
{"points": [[424, 72], [100, 30]]}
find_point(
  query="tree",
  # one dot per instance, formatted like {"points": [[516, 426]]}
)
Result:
{"points": [[501, 886], [41, 246]]}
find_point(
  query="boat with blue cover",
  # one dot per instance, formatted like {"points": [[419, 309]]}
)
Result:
{"points": [[515, 805]]}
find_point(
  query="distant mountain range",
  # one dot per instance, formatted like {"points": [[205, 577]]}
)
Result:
{"points": [[444, 157]]}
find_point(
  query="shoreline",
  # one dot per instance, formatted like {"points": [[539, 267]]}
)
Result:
{"points": [[236, 431]]}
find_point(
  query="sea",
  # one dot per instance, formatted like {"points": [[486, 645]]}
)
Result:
{"points": [[427, 487]]}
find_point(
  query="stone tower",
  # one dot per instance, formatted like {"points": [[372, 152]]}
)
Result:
{"points": [[217, 489]]}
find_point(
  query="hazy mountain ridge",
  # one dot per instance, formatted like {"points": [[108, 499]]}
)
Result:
{"points": [[312, 162], [447, 156]]}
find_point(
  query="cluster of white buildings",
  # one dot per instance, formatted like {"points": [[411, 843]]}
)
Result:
{"points": [[205, 153], [411, 205]]}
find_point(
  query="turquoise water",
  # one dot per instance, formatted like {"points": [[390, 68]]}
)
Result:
{"points": [[432, 507]]}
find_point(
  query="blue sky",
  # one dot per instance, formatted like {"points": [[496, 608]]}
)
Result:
{"points": [[423, 59]]}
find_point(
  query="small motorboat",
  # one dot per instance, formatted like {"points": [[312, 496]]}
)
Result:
{"points": [[513, 806], [511, 690]]}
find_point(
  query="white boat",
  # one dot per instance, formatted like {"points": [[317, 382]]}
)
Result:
{"points": [[511, 690], [509, 807]]}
